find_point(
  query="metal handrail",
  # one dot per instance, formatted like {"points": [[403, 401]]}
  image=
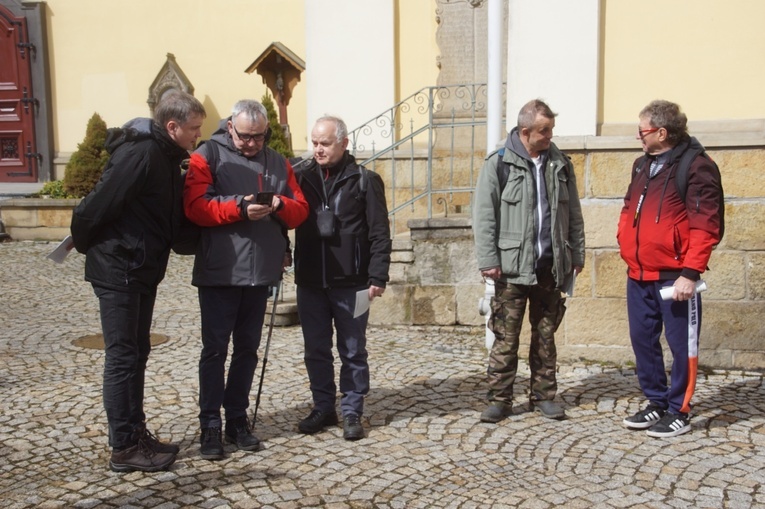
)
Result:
{"points": [[442, 126]]}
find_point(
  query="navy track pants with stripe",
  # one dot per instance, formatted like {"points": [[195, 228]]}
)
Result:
{"points": [[681, 321]]}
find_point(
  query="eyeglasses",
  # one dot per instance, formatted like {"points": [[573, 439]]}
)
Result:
{"points": [[642, 133], [249, 137]]}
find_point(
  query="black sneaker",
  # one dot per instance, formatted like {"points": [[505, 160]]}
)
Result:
{"points": [[645, 418], [496, 411], [153, 442], [352, 429], [140, 457], [212, 446], [670, 425], [238, 432], [317, 421]]}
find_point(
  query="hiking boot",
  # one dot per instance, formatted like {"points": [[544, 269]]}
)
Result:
{"points": [[352, 429], [549, 409], [153, 442], [212, 446], [140, 457], [238, 432], [645, 418], [316, 421], [496, 411], [670, 425]]}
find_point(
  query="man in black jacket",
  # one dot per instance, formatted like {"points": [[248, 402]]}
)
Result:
{"points": [[126, 227], [343, 248]]}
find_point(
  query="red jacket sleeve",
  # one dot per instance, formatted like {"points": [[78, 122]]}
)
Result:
{"points": [[200, 203], [295, 209]]}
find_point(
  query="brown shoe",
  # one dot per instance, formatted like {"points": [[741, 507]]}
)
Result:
{"points": [[140, 457], [154, 443]]}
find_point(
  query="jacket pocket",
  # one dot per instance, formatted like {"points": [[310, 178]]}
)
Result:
{"points": [[677, 243], [513, 191], [510, 254]]}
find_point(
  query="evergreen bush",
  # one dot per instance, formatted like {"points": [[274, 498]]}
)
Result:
{"points": [[89, 160], [278, 139]]}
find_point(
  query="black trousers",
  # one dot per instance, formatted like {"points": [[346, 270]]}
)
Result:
{"points": [[126, 324], [228, 311]]}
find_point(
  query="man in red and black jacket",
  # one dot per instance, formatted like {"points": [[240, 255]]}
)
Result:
{"points": [[244, 195], [667, 241]]}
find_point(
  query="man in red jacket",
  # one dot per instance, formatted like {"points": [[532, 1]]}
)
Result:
{"points": [[667, 241], [245, 195]]}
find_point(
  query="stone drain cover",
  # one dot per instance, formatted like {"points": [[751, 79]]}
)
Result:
{"points": [[96, 341]]}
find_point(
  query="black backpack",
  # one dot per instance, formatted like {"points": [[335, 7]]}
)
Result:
{"points": [[187, 240]]}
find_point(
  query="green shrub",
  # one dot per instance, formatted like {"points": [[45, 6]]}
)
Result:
{"points": [[278, 140], [89, 160], [54, 189]]}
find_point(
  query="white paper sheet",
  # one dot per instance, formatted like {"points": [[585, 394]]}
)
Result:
{"points": [[59, 254], [570, 290], [362, 303]]}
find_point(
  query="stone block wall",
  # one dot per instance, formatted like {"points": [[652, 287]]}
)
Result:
{"points": [[435, 280], [37, 218]]}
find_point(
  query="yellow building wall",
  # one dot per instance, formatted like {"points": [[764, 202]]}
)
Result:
{"points": [[416, 47], [706, 55], [104, 55]]}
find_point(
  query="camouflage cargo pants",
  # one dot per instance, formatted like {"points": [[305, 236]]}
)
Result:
{"points": [[546, 309]]}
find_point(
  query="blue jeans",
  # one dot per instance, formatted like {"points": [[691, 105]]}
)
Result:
{"points": [[126, 324], [227, 311], [318, 309]]}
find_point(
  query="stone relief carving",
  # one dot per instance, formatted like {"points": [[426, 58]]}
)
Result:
{"points": [[170, 77]]}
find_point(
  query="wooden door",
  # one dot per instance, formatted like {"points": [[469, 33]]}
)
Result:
{"points": [[19, 159]]}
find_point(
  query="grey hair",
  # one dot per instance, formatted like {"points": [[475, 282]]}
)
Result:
{"points": [[252, 109], [668, 115], [530, 110], [179, 106], [341, 130]]}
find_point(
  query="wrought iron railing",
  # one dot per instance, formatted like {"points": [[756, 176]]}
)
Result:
{"points": [[429, 150]]}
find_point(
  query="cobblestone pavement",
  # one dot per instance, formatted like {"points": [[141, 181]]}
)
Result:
{"points": [[425, 446]]}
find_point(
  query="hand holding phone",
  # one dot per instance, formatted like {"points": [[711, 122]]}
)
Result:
{"points": [[264, 198]]}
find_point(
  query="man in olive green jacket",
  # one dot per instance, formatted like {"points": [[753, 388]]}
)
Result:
{"points": [[529, 240]]}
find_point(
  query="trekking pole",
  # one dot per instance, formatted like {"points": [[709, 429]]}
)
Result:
{"points": [[265, 352]]}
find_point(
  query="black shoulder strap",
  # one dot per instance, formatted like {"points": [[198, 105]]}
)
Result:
{"points": [[362, 194], [214, 156], [681, 174]]}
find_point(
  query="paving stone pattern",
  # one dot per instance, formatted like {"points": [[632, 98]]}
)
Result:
{"points": [[425, 445]]}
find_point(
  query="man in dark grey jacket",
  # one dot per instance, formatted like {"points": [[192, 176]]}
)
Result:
{"points": [[343, 248], [245, 195], [126, 227]]}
